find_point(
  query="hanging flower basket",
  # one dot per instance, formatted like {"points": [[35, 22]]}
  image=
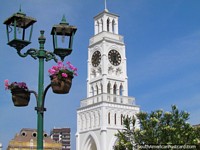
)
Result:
{"points": [[20, 97], [61, 86], [20, 92], [61, 77]]}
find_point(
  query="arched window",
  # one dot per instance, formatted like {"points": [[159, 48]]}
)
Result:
{"points": [[121, 90], [97, 90], [115, 89], [92, 91], [113, 26], [122, 119], [109, 118], [108, 88], [115, 118], [108, 22], [101, 88]]}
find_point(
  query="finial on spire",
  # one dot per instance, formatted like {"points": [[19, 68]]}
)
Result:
{"points": [[105, 3]]}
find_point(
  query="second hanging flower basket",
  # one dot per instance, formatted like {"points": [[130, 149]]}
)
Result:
{"points": [[61, 77], [61, 86]]}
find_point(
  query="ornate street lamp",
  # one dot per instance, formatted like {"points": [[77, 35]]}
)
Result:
{"points": [[63, 29], [20, 21]]}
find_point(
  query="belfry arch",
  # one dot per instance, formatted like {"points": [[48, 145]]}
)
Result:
{"points": [[113, 142], [91, 142]]}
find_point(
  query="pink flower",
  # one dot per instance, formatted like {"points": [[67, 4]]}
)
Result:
{"points": [[51, 71], [55, 68], [60, 64], [6, 83], [75, 69], [62, 70], [14, 85], [71, 67], [64, 75]]}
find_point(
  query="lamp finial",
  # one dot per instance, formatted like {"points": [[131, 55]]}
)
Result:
{"points": [[20, 11], [64, 21]]}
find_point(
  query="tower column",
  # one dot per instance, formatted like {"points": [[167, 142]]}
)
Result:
{"points": [[116, 27], [101, 26], [103, 139], [110, 26], [96, 27], [77, 141]]}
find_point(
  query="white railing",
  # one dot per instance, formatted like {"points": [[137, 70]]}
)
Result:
{"points": [[108, 98]]}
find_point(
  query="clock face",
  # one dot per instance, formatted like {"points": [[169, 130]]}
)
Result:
{"points": [[114, 57], [96, 58]]}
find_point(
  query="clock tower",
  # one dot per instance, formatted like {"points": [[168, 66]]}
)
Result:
{"points": [[100, 115]]}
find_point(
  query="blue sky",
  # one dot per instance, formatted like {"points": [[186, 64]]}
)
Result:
{"points": [[162, 40]]}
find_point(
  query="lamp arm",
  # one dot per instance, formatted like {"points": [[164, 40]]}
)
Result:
{"points": [[44, 95], [49, 56], [41, 109], [36, 96], [32, 52]]}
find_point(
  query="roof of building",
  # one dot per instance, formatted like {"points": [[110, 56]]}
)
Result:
{"points": [[27, 134]]}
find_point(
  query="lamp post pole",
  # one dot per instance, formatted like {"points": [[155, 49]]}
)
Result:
{"points": [[40, 110]]}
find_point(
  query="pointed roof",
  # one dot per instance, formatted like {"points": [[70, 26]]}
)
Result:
{"points": [[105, 11]]}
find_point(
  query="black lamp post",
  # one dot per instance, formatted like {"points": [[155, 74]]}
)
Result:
{"points": [[19, 21]]}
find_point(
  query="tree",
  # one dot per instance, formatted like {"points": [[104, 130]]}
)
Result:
{"points": [[158, 128]]}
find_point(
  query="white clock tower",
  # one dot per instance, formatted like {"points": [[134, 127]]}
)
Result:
{"points": [[100, 115]]}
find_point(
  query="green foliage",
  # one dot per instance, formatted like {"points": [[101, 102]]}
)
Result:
{"points": [[126, 136], [157, 128]]}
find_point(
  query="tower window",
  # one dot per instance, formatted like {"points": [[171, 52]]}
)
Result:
{"points": [[97, 89], [108, 22], [109, 118], [122, 119], [108, 88], [113, 26], [115, 118], [92, 91], [115, 89], [121, 90]]}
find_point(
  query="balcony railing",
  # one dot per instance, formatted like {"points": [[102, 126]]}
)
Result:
{"points": [[108, 98]]}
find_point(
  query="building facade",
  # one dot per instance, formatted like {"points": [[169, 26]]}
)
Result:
{"points": [[62, 135], [100, 115], [27, 139]]}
